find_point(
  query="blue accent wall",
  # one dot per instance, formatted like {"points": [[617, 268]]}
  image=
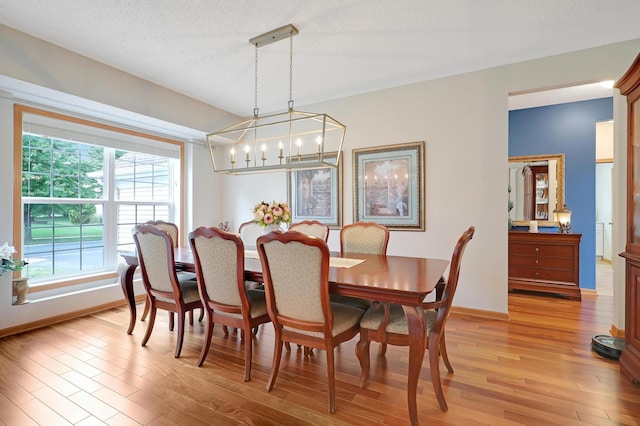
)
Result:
{"points": [[570, 129]]}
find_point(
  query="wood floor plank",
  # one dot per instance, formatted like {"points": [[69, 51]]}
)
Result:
{"points": [[93, 405], [42, 414], [535, 369]]}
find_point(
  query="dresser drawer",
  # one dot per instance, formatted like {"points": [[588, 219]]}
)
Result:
{"points": [[562, 275], [541, 262], [522, 272], [541, 274], [541, 250]]}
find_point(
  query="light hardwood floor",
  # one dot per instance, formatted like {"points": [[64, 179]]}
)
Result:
{"points": [[536, 369]]}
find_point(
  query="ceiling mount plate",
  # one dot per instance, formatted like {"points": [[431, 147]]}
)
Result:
{"points": [[274, 35]]}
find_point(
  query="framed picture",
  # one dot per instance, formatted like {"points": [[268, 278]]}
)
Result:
{"points": [[316, 194], [389, 186]]}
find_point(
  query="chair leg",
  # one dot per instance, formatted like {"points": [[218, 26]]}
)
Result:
{"points": [[171, 324], [362, 352], [434, 367], [181, 319], [152, 320], [443, 353], [383, 349], [201, 315], [275, 366], [190, 317], [248, 353], [331, 372], [207, 342], [146, 310], [226, 331], [287, 346]]}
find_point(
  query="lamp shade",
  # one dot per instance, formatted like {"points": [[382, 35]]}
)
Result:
{"points": [[563, 217]]}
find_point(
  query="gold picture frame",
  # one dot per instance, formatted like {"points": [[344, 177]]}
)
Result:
{"points": [[389, 186]]}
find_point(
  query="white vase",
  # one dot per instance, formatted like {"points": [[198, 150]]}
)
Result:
{"points": [[270, 228], [21, 289]]}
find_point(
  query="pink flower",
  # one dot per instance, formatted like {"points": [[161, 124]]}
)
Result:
{"points": [[268, 218], [277, 211]]}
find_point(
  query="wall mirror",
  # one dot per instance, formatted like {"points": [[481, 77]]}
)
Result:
{"points": [[536, 185]]}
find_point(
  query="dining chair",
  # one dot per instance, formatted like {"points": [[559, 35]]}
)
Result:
{"points": [[364, 238], [387, 323], [219, 261], [171, 229], [296, 276], [249, 233], [312, 228], [164, 289]]}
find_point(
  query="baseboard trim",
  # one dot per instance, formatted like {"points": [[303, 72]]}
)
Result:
{"points": [[479, 313], [60, 318], [616, 332]]}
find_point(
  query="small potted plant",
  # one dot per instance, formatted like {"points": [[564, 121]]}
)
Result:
{"points": [[8, 263]]}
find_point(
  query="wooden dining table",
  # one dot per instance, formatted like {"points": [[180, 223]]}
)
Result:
{"points": [[396, 279]]}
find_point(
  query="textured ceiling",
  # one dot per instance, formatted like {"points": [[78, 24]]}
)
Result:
{"points": [[200, 47]]}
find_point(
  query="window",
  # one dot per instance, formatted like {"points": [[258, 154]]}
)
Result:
{"points": [[84, 187]]}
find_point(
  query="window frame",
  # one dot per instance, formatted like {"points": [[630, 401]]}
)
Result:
{"points": [[18, 225]]}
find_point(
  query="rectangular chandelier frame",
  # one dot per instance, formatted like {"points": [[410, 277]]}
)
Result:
{"points": [[292, 140]]}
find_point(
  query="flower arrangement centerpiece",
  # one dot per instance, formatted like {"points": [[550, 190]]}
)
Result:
{"points": [[265, 214], [7, 262]]}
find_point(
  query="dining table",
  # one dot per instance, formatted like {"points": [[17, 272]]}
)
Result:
{"points": [[396, 279]]}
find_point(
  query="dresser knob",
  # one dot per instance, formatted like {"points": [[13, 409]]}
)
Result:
{"points": [[537, 273], [537, 260], [537, 249]]}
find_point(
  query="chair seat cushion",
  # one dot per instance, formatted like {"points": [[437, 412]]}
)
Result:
{"points": [[355, 302], [186, 276], [344, 317], [189, 292], [258, 305], [397, 320]]}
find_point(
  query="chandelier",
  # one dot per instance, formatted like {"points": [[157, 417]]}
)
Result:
{"points": [[290, 140]]}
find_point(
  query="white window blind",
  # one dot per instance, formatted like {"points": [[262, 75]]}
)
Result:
{"points": [[70, 131]]}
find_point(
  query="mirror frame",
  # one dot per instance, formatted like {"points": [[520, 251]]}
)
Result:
{"points": [[560, 183]]}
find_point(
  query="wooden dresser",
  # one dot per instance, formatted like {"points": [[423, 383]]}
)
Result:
{"points": [[545, 262]]}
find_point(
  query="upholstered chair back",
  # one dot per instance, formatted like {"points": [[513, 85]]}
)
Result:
{"points": [[312, 228], [364, 237], [219, 254], [295, 268], [156, 257], [249, 233], [169, 228]]}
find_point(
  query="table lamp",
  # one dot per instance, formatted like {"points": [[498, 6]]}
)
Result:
{"points": [[563, 216]]}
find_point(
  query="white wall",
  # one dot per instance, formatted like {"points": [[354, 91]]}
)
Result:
{"points": [[463, 120]]}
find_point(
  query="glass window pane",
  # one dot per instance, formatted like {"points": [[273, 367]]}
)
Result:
{"points": [[63, 237], [141, 177]]}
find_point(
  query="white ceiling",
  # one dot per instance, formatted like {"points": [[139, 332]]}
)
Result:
{"points": [[201, 47]]}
